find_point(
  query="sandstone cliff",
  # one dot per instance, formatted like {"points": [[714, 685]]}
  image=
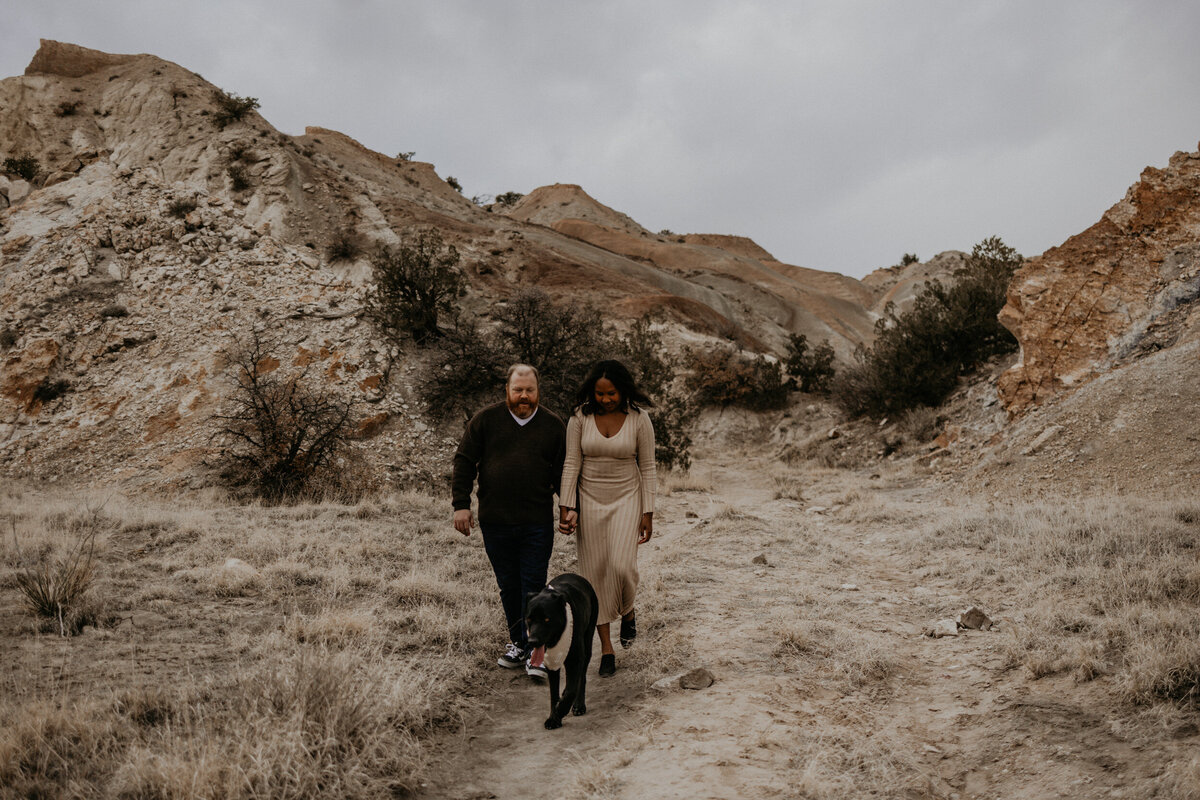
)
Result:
{"points": [[1125, 287]]}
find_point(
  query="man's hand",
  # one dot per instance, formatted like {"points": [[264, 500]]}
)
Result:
{"points": [[463, 521], [568, 521], [646, 527]]}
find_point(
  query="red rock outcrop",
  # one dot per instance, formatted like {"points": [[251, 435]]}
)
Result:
{"points": [[1118, 288]]}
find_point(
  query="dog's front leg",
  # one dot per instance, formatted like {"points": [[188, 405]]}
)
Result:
{"points": [[570, 692], [555, 718]]}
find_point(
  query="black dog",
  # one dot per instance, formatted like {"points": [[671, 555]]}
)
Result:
{"points": [[569, 598]]}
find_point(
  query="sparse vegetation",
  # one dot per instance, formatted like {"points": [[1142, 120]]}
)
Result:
{"points": [[812, 370], [508, 198], [243, 152], [114, 310], [345, 245], [24, 166], [67, 108], [1115, 591], [466, 371], [414, 284], [231, 108], [281, 434], [239, 178], [562, 341], [453, 183], [8, 338], [656, 370], [51, 389], [919, 354], [405, 156], [181, 207], [906, 259], [54, 586], [723, 376]]}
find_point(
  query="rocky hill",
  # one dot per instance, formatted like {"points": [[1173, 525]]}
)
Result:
{"points": [[148, 229], [1125, 287], [150, 226]]}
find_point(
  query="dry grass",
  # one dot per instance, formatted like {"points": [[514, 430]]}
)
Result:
{"points": [[315, 665], [1107, 587]]}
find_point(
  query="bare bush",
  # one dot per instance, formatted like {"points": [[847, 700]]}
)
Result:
{"points": [[414, 283], [562, 341], [282, 434]]}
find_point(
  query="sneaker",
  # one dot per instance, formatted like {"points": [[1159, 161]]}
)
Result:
{"points": [[513, 657], [534, 667]]}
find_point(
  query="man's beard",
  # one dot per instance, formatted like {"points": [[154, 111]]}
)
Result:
{"points": [[522, 409]]}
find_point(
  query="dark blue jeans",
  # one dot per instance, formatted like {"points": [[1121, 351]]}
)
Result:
{"points": [[520, 556]]}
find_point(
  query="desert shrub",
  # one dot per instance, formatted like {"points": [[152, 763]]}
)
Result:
{"points": [[241, 151], [562, 341], [453, 183], [181, 207], [51, 389], [56, 588], [346, 244], [413, 284], [239, 179], [466, 371], [811, 369], [26, 166], [918, 355], [114, 310], [919, 424], [508, 198], [8, 337], [908, 258], [67, 108], [406, 156], [231, 108], [282, 434], [723, 376], [656, 370]]}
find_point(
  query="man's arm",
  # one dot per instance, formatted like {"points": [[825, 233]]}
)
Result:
{"points": [[466, 467]]}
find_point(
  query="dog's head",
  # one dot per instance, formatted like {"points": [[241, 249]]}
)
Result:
{"points": [[545, 617]]}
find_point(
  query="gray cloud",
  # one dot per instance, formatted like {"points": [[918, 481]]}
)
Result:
{"points": [[839, 135]]}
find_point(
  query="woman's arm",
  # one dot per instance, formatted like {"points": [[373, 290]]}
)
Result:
{"points": [[568, 490], [645, 458]]}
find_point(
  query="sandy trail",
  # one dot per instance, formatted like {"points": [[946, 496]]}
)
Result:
{"points": [[825, 685]]}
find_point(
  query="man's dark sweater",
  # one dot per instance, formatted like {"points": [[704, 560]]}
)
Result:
{"points": [[519, 466]]}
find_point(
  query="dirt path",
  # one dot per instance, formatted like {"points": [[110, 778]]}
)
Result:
{"points": [[825, 685]]}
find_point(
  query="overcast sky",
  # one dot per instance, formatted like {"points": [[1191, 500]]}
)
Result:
{"points": [[838, 135]]}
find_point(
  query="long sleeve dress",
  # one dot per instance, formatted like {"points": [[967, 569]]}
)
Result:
{"points": [[611, 481]]}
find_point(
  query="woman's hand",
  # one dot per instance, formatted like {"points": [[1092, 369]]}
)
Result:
{"points": [[646, 527], [568, 520]]}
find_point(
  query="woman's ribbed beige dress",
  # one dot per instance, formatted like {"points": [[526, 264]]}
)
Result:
{"points": [[611, 482]]}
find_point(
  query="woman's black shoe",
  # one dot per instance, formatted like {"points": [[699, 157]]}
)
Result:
{"points": [[608, 664], [628, 631]]}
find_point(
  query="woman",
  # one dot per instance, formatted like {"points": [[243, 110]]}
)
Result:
{"points": [[608, 493]]}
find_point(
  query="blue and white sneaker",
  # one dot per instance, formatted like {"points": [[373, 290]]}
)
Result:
{"points": [[513, 658]]}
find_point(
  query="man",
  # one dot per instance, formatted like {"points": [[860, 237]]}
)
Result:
{"points": [[516, 449]]}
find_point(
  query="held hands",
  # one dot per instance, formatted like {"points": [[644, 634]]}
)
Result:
{"points": [[568, 521], [463, 521], [646, 527]]}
